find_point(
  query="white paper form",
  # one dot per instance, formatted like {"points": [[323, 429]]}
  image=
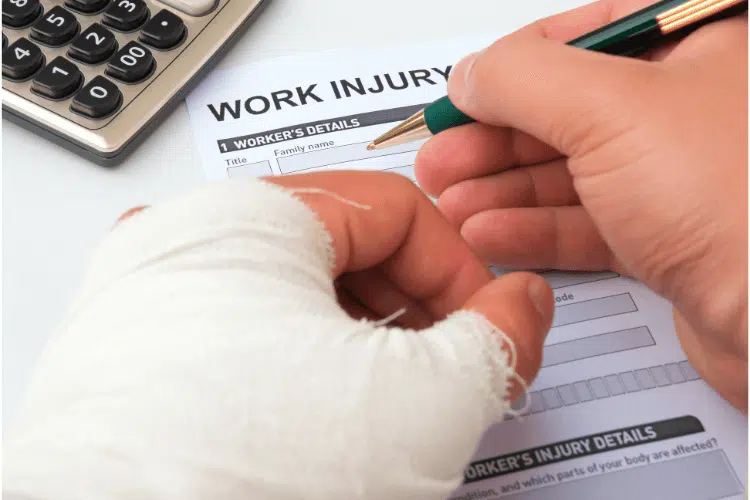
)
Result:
{"points": [[319, 111], [616, 411]]}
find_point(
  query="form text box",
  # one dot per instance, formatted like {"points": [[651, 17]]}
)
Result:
{"points": [[338, 154], [560, 279], [702, 476], [597, 345], [593, 309], [257, 169]]}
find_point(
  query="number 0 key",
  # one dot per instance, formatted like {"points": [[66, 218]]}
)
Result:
{"points": [[98, 99]]}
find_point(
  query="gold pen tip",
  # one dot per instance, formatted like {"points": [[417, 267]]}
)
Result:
{"points": [[411, 129]]}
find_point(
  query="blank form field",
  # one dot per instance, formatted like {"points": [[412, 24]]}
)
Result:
{"points": [[567, 394], [536, 401], [599, 388], [629, 381], [644, 379], [339, 154], [593, 309], [561, 279], [704, 476], [673, 373], [582, 391], [257, 169], [660, 375], [597, 345], [551, 399]]}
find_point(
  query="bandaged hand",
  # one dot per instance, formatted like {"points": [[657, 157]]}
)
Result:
{"points": [[240, 342]]}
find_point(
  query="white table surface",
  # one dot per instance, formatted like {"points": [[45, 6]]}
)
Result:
{"points": [[56, 205]]}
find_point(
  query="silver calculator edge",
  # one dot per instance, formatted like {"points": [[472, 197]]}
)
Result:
{"points": [[110, 144]]}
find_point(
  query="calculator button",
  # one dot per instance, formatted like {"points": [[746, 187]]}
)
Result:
{"points": [[21, 60], [164, 31], [56, 27], [94, 45], [131, 64], [17, 13], [87, 6], [126, 15], [97, 99], [58, 80], [191, 7]]}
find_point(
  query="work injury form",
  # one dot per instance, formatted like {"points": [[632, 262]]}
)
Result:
{"points": [[617, 412]]}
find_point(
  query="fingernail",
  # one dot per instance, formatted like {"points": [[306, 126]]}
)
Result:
{"points": [[458, 79], [539, 293]]}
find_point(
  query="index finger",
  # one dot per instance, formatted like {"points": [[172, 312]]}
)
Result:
{"points": [[573, 23], [400, 231], [487, 149]]}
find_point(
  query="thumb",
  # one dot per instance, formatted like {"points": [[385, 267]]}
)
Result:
{"points": [[434, 393], [565, 96], [520, 306]]}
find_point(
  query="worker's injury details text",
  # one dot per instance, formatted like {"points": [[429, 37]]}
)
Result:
{"points": [[617, 411]]}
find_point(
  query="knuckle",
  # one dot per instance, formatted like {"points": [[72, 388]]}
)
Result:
{"points": [[453, 202], [609, 110]]}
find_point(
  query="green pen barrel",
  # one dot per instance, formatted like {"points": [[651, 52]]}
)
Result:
{"points": [[630, 36], [442, 115]]}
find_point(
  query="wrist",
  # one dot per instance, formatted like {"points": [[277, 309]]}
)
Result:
{"points": [[713, 333], [721, 310]]}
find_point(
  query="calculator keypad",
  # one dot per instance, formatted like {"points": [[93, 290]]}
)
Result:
{"points": [[21, 60], [126, 15], [131, 64], [59, 79], [164, 31], [97, 99], [111, 50], [87, 6], [56, 27], [94, 46], [18, 13]]}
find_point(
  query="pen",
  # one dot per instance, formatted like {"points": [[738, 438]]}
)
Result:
{"points": [[629, 37]]}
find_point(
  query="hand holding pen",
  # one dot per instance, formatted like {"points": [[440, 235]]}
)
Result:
{"points": [[628, 36], [585, 161]]}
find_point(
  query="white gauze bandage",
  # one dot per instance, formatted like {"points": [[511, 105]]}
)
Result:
{"points": [[206, 358]]}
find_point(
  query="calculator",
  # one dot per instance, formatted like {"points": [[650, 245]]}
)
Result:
{"points": [[95, 76]]}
